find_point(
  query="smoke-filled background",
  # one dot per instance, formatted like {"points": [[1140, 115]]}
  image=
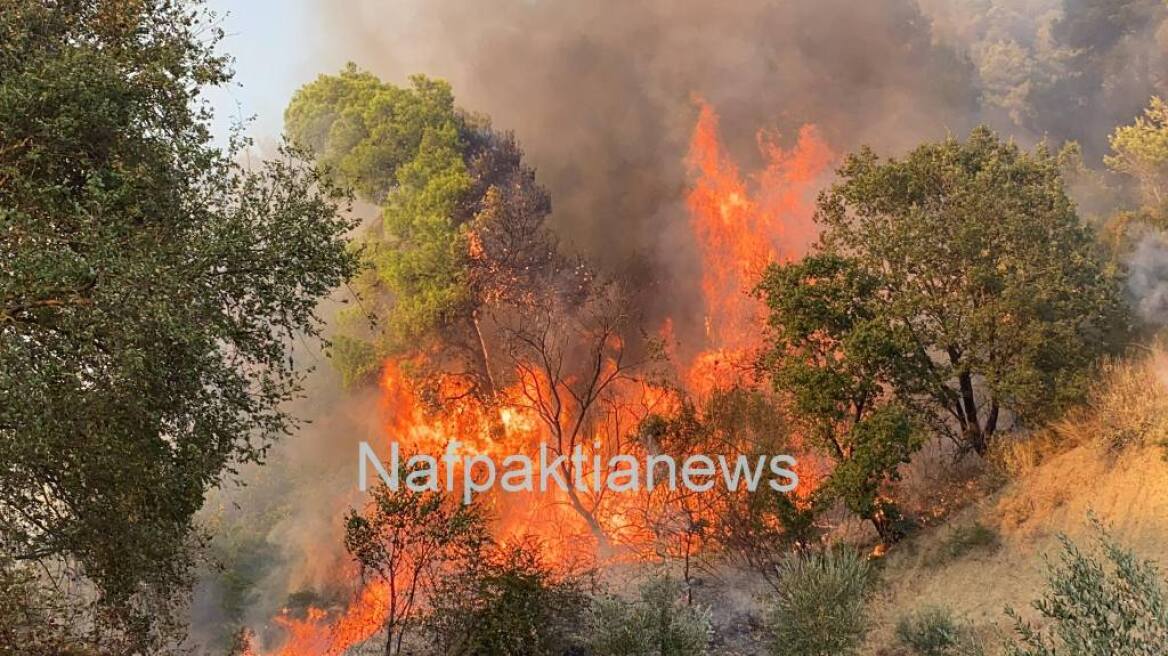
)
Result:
{"points": [[601, 95]]}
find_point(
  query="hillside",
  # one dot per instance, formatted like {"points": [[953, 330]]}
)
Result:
{"points": [[990, 555]]}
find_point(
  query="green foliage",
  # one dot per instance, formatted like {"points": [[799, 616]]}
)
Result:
{"points": [[402, 148], [958, 280], [149, 291], [657, 624], [1141, 151], [462, 216], [819, 608], [1105, 603], [933, 631], [364, 130], [508, 603], [37, 619], [835, 358], [356, 359]]}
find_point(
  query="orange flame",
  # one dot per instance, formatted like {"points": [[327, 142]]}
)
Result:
{"points": [[741, 225]]}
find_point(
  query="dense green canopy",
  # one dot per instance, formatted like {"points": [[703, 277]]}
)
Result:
{"points": [[149, 291], [461, 224], [954, 289]]}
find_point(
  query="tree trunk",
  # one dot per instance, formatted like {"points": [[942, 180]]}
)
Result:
{"points": [[484, 354], [885, 523], [975, 437], [589, 518]]}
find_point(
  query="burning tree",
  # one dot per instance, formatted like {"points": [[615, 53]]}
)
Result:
{"points": [[462, 223], [578, 375], [404, 543]]}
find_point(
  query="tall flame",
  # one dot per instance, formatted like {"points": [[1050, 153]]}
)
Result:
{"points": [[741, 226]]}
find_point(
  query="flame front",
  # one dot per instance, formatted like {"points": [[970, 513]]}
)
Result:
{"points": [[740, 225]]}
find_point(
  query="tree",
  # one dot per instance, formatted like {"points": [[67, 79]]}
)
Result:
{"points": [[967, 262], [406, 541], [819, 609], [571, 364], [1141, 151], [1111, 605], [150, 288], [837, 361], [659, 623], [462, 217]]}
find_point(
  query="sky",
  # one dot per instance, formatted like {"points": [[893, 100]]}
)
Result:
{"points": [[275, 51]]}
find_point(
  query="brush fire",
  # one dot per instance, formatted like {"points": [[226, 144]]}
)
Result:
{"points": [[583, 328], [741, 224]]}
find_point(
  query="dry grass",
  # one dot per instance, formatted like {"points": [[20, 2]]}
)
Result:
{"points": [[1127, 407], [1102, 459], [1131, 404]]}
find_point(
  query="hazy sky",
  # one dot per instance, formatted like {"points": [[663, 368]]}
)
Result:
{"points": [[275, 50]]}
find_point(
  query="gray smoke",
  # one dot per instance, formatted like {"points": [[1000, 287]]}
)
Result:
{"points": [[600, 93], [1148, 278]]}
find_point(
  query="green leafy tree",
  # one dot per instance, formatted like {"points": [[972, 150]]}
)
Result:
{"points": [[659, 623], [462, 218], [150, 288], [966, 262], [836, 360], [1097, 605], [1141, 151], [400, 148]]}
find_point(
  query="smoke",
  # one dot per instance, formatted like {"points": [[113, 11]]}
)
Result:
{"points": [[601, 93], [1148, 278], [277, 528], [1061, 69]]}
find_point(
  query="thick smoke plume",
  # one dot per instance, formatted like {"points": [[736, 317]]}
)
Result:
{"points": [[600, 93]]}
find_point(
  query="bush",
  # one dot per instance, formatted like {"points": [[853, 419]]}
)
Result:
{"points": [[508, 603], [657, 624], [1113, 604], [932, 631], [819, 610]]}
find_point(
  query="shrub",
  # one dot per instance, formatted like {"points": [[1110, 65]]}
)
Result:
{"points": [[1097, 604], [657, 624], [932, 631], [507, 603], [819, 609]]}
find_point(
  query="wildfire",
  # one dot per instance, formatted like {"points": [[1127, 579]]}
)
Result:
{"points": [[741, 227], [741, 224]]}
